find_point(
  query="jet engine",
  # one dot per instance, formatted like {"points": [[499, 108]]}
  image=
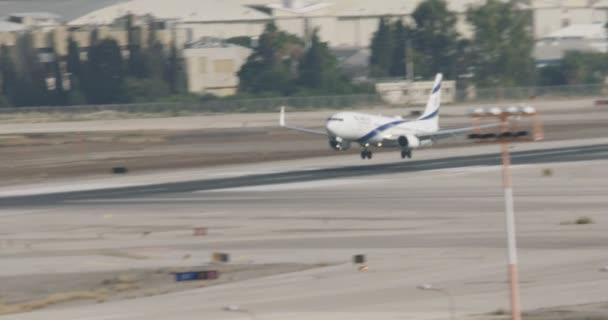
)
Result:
{"points": [[339, 144], [409, 142]]}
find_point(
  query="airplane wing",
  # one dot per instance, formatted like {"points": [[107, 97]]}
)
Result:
{"points": [[309, 131], [441, 134]]}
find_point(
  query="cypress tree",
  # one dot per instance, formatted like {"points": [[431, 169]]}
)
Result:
{"points": [[8, 73], [381, 50]]}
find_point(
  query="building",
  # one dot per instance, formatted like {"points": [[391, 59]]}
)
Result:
{"points": [[342, 23], [212, 66], [36, 20], [414, 93], [581, 37], [347, 25], [553, 15]]}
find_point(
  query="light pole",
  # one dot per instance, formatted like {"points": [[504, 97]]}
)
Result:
{"points": [[505, 136], [510, 219], [238, 309], [451, 306]]}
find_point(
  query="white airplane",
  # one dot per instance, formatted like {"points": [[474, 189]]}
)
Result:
{"points": [[367, 130]]}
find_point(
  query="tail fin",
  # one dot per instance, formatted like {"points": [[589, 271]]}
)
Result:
{"points": [[431, 113]]}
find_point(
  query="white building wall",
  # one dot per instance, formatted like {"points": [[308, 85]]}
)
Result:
{"points": [[355, 31], [414, 93], [225, 29], [327, 28], [293, 25], [214, 70], [463, 26], [548, 20], [600, 15], [347, 33]]}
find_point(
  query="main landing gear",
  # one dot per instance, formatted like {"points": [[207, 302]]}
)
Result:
{"points": [[366, 154], [406, 154]]}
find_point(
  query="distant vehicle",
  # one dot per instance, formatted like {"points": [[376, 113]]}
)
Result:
{"points": [[367, 130]]}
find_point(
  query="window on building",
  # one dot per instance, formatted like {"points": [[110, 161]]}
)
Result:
{"points": [[202, 65], [223, 66]]}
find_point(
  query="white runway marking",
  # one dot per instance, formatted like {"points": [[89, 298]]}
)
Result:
{"points": [[296, 185], [12, 213]]}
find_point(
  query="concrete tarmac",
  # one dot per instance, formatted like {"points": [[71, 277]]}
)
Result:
{"points": [[438, 220]]}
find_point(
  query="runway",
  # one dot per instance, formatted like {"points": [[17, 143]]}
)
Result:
{"points": [[369, 169], [437, 219]]}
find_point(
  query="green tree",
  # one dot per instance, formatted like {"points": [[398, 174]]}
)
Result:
{"points": [[30, 85], [319, 69], [146, 90], [584, 67], [105, 73], [155, 54], [74, 64], [136, 63], [381, 50], [435, 39], [242, 41], [552, 75], [8, 73], [399, 58], [59, 96], [175, 75], [76, 71], [502, 44], [271, 67]]}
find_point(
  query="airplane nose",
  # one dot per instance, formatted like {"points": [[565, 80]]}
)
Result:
{"points": [[331, 128]]}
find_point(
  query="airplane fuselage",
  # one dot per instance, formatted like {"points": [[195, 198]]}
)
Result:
{"points": [[372, 129]]}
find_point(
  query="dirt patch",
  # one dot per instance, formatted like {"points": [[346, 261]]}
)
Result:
{"points": [[31, 158], [23, 294], [596, 311]]}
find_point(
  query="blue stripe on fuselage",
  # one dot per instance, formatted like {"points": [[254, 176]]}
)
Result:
{"points": [[378, 130]]}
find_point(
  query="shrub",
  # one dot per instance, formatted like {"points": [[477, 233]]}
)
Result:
{"points": [[584, 220]]}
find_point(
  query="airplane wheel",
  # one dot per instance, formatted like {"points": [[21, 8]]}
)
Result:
{"points": [[403, 154], [363, 155], [369, 155]]}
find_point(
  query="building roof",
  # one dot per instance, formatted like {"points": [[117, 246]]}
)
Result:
{"points": [[579, 31], [68, 9], [556, 50], [80, 12], [357, 8], [184, 10], [6, 26], [547, 4], [36, 15], [210, 42], [601, 4], [235, 10], [298, 6]]}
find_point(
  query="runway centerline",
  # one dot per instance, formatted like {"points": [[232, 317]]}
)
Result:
{"points": [[572, 154]]}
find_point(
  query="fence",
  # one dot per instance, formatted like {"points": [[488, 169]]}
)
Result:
{"points": [[309, 103], [525, 93], [217, 105]]}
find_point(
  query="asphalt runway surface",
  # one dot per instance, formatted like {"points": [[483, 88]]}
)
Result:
{"points": [[148, 193], [437, 219]]}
